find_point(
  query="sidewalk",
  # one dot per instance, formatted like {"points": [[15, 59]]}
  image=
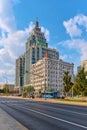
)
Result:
{"points": [[9, 123]]}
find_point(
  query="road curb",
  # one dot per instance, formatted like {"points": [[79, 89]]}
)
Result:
{"points": [[50, 100]]}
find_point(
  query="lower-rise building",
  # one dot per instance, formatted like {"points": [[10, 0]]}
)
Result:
{"points": [[9, 86], [48, 73], [84, 65]]}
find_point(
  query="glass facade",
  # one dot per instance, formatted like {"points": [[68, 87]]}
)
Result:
{"points": [[33, 60], [33, 52], [43, 52], [37, 53]]}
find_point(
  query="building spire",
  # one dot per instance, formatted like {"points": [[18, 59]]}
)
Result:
{"points": [[46, 54], [37, 23]]}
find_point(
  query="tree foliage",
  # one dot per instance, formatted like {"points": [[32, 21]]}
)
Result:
{"points": [[29, 89], [5, 90], [80, 84], [67, 84]]}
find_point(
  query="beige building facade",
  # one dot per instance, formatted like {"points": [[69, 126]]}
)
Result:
{"points": [[48, 73], [84, 65], [9, 86]]}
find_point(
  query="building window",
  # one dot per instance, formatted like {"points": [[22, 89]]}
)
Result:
{"points": [[33, 52], [43, 52], [37, 53], [33, 60]]}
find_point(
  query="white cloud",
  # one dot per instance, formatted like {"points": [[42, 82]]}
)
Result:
{"points": [[7, 19], [79, 45], [63, 57], [14, 46], [12, 41], [74, 26]]}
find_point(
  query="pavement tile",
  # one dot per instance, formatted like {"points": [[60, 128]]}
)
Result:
{"points": [[9, 123]]}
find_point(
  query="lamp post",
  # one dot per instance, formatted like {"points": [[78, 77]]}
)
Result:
{"points": [[6, 82]]}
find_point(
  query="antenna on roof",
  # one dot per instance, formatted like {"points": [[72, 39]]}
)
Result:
{"points": [[36, 23]]}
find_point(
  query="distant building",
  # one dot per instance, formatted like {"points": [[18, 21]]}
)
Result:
{"points": [[20, 70], [9, 86], [78, 68], [1, 86], [84, 65]]}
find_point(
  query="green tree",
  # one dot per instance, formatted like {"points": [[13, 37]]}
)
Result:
{"points": [[85, 92], [81, 82], [6, 90], [76, 89], [67, 84], [29, 89]]}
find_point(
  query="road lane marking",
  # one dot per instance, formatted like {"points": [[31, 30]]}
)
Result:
{"points": [[8, 101], [84, 114], [61, 109], [59, 119]]}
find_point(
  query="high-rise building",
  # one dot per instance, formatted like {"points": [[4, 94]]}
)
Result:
{"points": [[33, 60], [20, 67], [36, 47]]}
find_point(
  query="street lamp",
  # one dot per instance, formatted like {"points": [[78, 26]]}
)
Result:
{"points": [[6, 82]]}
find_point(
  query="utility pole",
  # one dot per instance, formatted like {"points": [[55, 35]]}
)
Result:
{"points": [[6, 83]]}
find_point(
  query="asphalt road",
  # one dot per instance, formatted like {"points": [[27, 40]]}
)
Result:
{"points": [[37, 115]]}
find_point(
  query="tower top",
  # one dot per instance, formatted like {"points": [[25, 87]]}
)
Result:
{"points": [[36, 23], [46, 54]]}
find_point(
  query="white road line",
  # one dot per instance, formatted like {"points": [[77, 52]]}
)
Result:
{"points": [[8, 101], [61, 109], [59, 119], [84, 114]]}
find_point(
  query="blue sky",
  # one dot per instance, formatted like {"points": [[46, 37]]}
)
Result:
{"points": [[64, 23]]}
